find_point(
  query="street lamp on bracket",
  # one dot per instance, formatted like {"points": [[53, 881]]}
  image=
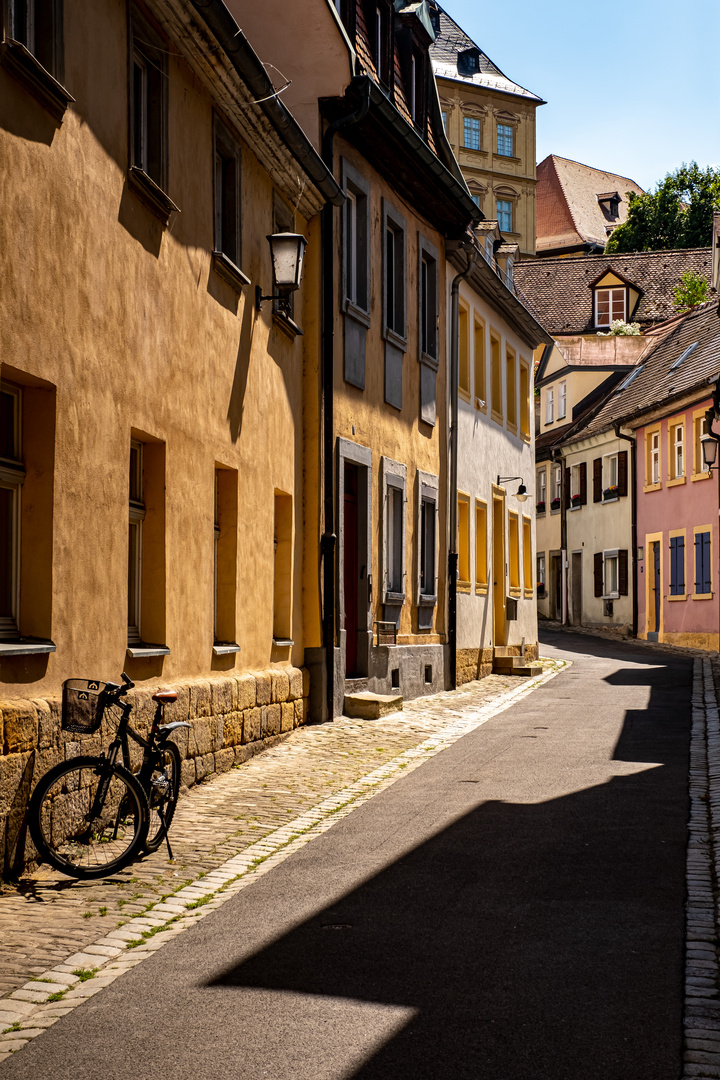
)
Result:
{"points": [[287, 250], [521, 494]]}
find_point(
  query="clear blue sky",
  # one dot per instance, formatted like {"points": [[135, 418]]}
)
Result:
{"points": [[633, 88]]}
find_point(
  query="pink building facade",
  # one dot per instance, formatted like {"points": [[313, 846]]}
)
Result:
{"points": [[677, 530]]}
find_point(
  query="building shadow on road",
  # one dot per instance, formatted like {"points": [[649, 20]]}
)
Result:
{"points": [[536, 941]]}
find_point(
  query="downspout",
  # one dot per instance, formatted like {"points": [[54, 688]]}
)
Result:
{"points": [[452, 553], [633, 531], [328, 542], [557, 456]]}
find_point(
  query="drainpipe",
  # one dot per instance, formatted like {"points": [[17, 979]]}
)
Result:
{"points": [[557, 457], [633, 532], [454, 370], [328, 542]]}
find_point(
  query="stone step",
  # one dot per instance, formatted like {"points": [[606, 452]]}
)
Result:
{"points": [[515, 665], [369, 706]]}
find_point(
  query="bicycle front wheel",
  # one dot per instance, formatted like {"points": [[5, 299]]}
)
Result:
{"points": [[163, 793], [87, 818]]}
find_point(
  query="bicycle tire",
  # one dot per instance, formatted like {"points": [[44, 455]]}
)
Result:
{"points": [[162, 794], [60, 826]]}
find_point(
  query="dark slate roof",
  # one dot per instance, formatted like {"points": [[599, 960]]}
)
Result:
{"points": [[444, 52], [557, 291], [654, 383]]}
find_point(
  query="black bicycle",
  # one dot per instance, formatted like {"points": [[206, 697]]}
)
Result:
{"points": [[91, 816]]}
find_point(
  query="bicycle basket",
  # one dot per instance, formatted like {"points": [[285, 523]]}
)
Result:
{"points": [[83, 705]]}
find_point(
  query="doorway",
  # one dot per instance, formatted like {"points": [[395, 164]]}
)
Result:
{"points": [[351, 567], [576, 597], [656, 588], [498, 567], [555, 586]]}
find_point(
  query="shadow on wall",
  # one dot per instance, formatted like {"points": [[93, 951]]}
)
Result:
{"points": [[236, 405], [536, 940]]}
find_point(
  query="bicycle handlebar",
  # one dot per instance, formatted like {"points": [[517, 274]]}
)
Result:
{"points": [[128, 685]]}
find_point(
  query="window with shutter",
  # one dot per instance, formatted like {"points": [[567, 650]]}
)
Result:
{"points": [[622, 572], [567, 488], [677, 565], [703, 577], [597, 480], [583, 483], [598, 572], [622, 472]]}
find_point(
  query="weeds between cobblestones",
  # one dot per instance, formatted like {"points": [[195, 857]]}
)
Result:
{"points": [[407, 739]]}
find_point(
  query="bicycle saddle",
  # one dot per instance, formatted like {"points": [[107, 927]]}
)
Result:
{"points": [[165, 697]]}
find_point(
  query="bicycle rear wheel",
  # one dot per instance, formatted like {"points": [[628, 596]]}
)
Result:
{"points": [[81, 833], [163, 793]]}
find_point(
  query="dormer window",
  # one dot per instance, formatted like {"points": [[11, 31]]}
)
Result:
{"points": [[610, 305], [381, 43], [417, 88], [609, 202], [468, 62]]}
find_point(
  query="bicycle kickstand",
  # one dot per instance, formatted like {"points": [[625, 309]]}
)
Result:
{"points": [[167, 837]]}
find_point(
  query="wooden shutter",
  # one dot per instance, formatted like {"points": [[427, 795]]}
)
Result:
{"points": [[583, 483], [598, 572], [623, 572], [597, 480], [707, 573], [673, 565], [567, 489], [703, 582], [623, 472]]}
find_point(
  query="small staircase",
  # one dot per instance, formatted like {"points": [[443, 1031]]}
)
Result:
{"points": [[505, 664], [365, 705]]}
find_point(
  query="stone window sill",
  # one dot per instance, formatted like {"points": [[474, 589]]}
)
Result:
{"points": [[679, 596], [140, 650], [481, 590], [678, 480], [283, 642], [151, 194], [26, 647], [223, 648], [651, 487], [700, 476], [287, 325], [228, 271], [21, 63], [702, 596]]}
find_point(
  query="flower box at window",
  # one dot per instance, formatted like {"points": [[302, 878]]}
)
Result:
{"points": [[541, 588], [576, 500], [611, 492], [555, 504], [540, 507]]}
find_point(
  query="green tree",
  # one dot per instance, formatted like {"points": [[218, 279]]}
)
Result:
{"points": [[692, 290], [677, 214]]}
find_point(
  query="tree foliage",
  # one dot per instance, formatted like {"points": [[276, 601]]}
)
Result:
{"points": [[692, 290], [677, 214]]}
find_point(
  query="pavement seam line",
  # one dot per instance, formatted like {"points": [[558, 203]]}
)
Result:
{"points": [[143, 935]]}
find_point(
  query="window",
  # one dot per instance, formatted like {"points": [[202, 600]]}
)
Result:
{"points": [[562, 401], [481, 547], [137, 516], [415, 77], [549, 406], [610, 572], [677, 439], [525, 399], [527, 554], [225, 559], [610, 476], [541, 491], [496, 379], [677, 563], [700, 428], [505, 215], [505, 140], [511, 388], [557, 487], [381, 43], [652, 457], [282, 569], [471, 132], [609, 306], [148, 103], [37, 24], [703, 561], [578, 484], [463, 352], [468, 62], [463, 540], [514, 550], [479, 365], [146, 547], [394, 475], [12, 475], [356, 224], [610, 580], [444, 121], [395, 275], [540, 570], [684, 355], [427, 527], [227, 195], [428, 303], [427, 547]]}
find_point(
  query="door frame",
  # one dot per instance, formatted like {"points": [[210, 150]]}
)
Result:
{"points": [[361, 456], [650, 539], [576, 589], [499, 592]]}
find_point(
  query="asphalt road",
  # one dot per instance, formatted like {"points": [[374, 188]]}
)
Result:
{"points": [[513, 910]]}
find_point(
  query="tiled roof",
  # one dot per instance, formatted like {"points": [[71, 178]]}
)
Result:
{"points": [[444, 52], [568, 210], [557, 290], [655, 381]]}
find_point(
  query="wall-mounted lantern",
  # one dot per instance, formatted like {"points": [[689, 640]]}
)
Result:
{"points": [[521, 494], [287, 250], [709, 445]]}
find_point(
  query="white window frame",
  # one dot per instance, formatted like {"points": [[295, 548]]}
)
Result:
{"points": [[394, 486], [428, 493], [562, 400], [678, 451], [609, 557], [655, 457], [542, 487], [611, 290], [549, 405], [574, 480], [472, 124], [610, 470], [557, 483]]}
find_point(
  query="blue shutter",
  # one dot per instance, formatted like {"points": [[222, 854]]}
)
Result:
{"points": [[673, 565], [706, 575], [680, 560]]}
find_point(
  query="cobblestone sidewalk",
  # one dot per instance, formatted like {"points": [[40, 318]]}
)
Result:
{"points": [[55, 932]]}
